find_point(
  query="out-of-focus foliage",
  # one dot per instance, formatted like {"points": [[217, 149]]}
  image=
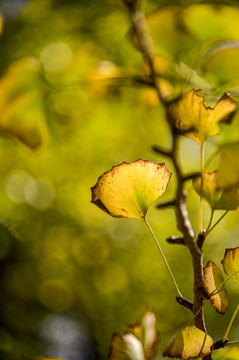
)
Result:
{"points": [[71, 276]]}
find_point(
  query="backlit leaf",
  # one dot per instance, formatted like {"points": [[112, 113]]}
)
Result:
{"points": [[228, 171], [231, 263], [222, 62], [128, 189], [230, 353], [170, 35], [21, 108], [193, 119], [227, 199], [126, 347], [189, 343], [213, 280]]}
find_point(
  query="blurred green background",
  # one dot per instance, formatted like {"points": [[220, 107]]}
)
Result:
{"points": [[72, 105]]}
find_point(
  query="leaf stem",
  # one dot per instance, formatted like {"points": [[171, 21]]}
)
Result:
{"points": [[200, 205], [210, 221], [217, 222], [163, 256], [230, 323]]}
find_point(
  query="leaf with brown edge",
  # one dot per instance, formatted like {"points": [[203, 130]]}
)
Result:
{"points": [[230, 263], [126, 347], [227, 199], [189, 343], [128, 189], [213, 283], [193, 119]]}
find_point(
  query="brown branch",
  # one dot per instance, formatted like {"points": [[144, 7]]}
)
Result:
{"points": [[185, 302], [166, 204], [183, 222], [175, 240]]}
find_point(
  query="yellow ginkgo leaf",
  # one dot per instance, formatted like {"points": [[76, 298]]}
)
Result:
{"points": [[128, 189], [213, 283], [193, 119], [189, 343], [230, 263], [227, 199], [126, 347]]}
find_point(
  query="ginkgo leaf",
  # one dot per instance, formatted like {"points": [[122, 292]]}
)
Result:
{"points": [[227, 199], [228, 172], [230, 263], [21, 109], [189, 343], [193, 119], [213, 283], [128, 189], [209, 189], [126, 347], [230, 353]]}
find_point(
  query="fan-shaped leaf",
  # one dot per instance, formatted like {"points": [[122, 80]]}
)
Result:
{"points": [[213, 280], [189, 343], [128, 189], [230, 263], [193, 119], [227, 199]]}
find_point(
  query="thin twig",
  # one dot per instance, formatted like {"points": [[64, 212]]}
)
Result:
{"points": [[217, 222]]}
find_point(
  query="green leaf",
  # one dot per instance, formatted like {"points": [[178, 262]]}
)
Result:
{"points": [[230, 353], [230, 263], [189, 343], [21, 95], [228, 171], [213, 280], [128, 189], [227, 199], [222, 62], [193, 119]]}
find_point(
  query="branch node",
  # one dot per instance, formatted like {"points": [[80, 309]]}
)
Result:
{"points": [[201, 238], [185, 302], [218, 344], [175, 240]]}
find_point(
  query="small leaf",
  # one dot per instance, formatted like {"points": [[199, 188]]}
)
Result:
{"points": [[128, 189], [227, 199], [21, 109], [230, 353], [209, 190], [230, 263], [126, 347], [228, 172], [150, 335], [198, 122], [189, 343], [213, 280]]}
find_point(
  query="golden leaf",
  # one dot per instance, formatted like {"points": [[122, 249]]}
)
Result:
{"points": [[128, 189], [198, 122], [213, 281], [189, 343], [230, 263]]}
